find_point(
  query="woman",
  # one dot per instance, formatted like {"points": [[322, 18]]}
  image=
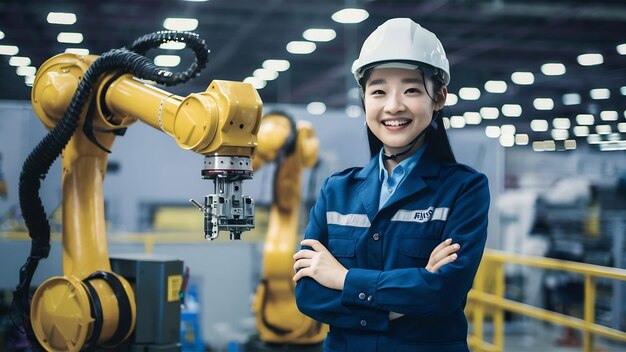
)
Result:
{"points": [[379, 259]]}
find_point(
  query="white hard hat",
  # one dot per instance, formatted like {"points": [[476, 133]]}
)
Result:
{"points": [[402, 41]]}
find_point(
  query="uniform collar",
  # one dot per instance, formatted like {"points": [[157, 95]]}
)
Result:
{"points": [[369, 190], [427, 165]]}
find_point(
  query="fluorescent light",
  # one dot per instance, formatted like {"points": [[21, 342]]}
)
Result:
{"points": [[523, 78], [562, 123], [553, 69], [511, 110], [256, 82], [350, 15], [9, 50], [19, 61], [319, 34], [543, 104], [521, 139], [70, 37], [559, 134], [603, 129], [507, 140], [173, 46], [600, 93], [544, 146], [495, 86], [469, 93], [613, 146], [570, 144], [492, 131], [265, 74], [594, 139], [300, 47], [621, 127], [457, 121], [539, 125], [472, 118], [316, 108], [77, 51], [585, 119], [354, 111], [590, 59], [489, 113], [621, 49], [581, 131], [507, 129], [452, 99], [180, 24], [571, 99], [61, 18], [25, 71], [29, 80], [609, 115], [276, 65], [167, 60], [622, 90], [1, 35]]}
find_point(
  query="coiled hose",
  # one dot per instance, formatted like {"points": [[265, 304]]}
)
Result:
{"points": [[37, 164]]}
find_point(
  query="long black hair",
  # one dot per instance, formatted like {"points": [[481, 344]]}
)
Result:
{"points": [[436, 136]]}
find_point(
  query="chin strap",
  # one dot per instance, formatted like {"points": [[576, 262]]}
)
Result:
{"points": [[432, 124]]}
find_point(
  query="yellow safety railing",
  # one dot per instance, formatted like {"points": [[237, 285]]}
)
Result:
{"points": [[487, 296]]}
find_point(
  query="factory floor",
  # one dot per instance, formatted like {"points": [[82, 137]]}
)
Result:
{"points": [[534, 336]]}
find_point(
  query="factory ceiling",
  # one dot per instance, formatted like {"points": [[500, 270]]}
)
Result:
{"points": [[484, 40]]}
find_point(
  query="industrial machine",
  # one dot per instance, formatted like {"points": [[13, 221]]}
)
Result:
{"points": [[292, 147], [91, 306]]}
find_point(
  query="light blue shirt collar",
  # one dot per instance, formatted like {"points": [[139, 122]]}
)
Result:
{"points": [[389, 184]]}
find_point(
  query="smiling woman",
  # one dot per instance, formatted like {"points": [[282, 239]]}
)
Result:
{"points": [[392, 248]]}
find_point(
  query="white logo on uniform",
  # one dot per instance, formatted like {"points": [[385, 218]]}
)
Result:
{"points": [[423, 215]]}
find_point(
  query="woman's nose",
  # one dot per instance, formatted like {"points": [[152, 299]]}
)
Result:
{"points": [[394, 104]]}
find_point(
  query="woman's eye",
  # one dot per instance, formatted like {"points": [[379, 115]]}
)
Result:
{"points": [[412, 90], [377, 92]]}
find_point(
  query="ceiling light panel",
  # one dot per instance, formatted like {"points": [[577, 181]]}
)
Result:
{"points": [[495, 86], [319, 34], [70, 37], [523, 78], [350, 15], [180, 24], [590, 59], [276, 65], [66, 18], [301, 47]]}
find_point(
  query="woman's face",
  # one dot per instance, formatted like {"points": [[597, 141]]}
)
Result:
{"points": [[397, 106]]}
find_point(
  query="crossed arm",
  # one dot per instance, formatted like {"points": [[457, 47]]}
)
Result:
{"points": [[320, 265]]}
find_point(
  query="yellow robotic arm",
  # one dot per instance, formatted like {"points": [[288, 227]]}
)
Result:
{"points": [[90, 305], [294, 147]]}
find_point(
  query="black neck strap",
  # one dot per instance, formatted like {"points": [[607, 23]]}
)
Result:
{"points": [[410, 146]]}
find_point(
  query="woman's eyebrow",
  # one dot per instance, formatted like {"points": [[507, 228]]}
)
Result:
{"points": [[376, 81]]}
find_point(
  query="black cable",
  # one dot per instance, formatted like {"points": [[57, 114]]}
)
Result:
{"points": [[37, 164]]}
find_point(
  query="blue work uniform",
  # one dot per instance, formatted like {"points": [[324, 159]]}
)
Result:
{"points": [[386, 250]]}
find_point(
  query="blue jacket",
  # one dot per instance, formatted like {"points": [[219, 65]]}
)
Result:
{"points": [[386, 251]]}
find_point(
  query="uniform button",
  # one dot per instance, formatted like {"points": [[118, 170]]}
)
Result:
{"points": [[375, 237], [370, 298], [362, 295], [363, 322]]}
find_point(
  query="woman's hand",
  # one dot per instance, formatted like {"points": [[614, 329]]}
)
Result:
{"points": [[443, 254], [319, 265]]}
